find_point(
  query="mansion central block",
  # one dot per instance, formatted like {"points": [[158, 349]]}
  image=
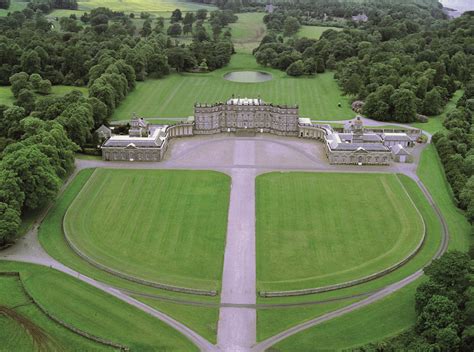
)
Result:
{"points": [[352, 145], [251, 114]]}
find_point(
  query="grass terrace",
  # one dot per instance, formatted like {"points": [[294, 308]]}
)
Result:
{"points": [[320, 229], [162, 226]]}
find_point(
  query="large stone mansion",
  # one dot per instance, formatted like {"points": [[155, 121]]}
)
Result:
{"points": [[353, 145]]}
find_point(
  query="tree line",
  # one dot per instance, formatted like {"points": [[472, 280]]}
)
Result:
{"points": [[455, 146], [404, 64], [103, 51]]}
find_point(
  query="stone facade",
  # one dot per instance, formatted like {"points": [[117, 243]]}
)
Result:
{"points": [[354, 146], [138, 146], [246, 114]]}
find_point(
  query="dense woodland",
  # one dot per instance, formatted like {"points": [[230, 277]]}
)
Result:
{"points": [[104, 51], [402, 63]]}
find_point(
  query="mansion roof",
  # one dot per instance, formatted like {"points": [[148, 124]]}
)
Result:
{"points": [[395, 137], [245, 101], [154, 140]]}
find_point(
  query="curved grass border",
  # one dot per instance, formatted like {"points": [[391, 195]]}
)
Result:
{"points": [[55, 319], [371, 277], [159, 285]]}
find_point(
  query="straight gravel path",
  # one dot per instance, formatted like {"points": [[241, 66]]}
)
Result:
{"points": [[237, 327]]}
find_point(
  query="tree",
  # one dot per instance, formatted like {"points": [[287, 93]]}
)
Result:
{"points": [[99, 112], [188, 18], [30, 62], [451, 271], [290, 26], [174, 30], [146, 29], [77, 121], [10, 191], [320, 67], [44, 87], [176, 16], [180, 59], [467, 195], [35, 80], [18, 82], [438, 314], [9, 223], [158, 65], [201, 14], [51, 139], [160, 25], [353, 85], [404, 104], [187, 28], [432, 103], [266, 57], [297, 68], [38, 180], [10, 123], [26, 100], [4, 4]]}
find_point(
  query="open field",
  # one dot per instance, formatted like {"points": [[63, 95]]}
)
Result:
{"points": [[314, 32], [94, 311], [154, 224], [15, 5], [320, 229], [151, 6], [248, 31], [7, 98], [175, 95]]}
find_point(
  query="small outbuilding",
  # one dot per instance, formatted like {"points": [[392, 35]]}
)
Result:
{"points": [[400, 154], [103, 133], [392, 139]]}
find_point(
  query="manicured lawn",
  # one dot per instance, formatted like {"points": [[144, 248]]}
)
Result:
{"points": [[379, 320], [430, 171], [96, 312], [320, 229], [314, 32], [176, 94], [165, 226], [248, 31], [7, 98]]}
